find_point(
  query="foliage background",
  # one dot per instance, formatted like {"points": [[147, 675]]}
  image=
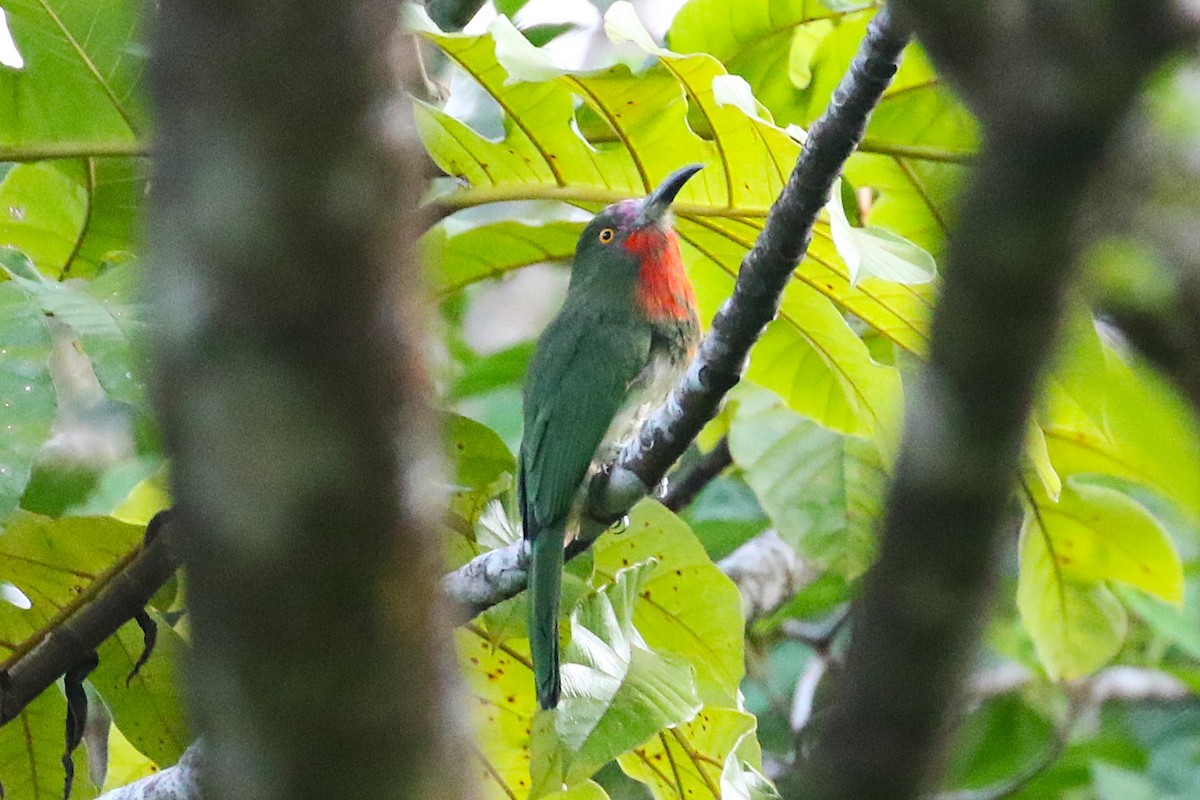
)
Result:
{"points": [[669, 698]]}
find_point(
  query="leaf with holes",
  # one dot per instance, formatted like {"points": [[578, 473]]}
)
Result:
{"points": [[655, 121]]}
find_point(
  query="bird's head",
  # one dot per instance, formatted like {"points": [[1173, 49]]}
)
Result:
{"points": [[631, 245]]}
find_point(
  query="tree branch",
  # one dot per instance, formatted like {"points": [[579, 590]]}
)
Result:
{"points": [[179, 782], [1077, 69], [768, 573], [685, 487], [126, 593], [765, 271]]}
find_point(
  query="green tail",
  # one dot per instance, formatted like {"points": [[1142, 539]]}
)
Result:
{"points": [[545, 589]]}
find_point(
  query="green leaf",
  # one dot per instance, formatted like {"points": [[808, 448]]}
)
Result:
{"points": [[43, 207], [874, 252], [112, 233], [479, 456], [794, 53], [27, 399], [1101, 534], [824, 371], [31, 748], [768, 42], [690, 760], [125, 763], [78, 91], [617, 692], [1068, 552], [687, 608], [509, 8], [483, 466], [103, 321], [71, 217], [482, 471], [821, 490], [53, 562], [1038, 455], [466, 256], [1174, 624], [997, 740], [1076, 627], [541, 35], [1149, 434], [483, 374], [147, 710]]}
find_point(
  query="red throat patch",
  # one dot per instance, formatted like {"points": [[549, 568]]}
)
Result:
{"points": [[664, 291]]}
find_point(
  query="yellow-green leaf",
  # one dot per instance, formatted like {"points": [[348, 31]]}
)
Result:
{"points": [[1069, 551], [1076, 626]]}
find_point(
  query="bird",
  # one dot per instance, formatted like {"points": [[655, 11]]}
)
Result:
{"points": [[626, 331]]}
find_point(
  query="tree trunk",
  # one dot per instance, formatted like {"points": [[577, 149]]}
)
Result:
{"points": [[292, 392]]}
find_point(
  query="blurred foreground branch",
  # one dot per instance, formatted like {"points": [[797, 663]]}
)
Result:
{"points": [[292, 393], [1050, 87]]}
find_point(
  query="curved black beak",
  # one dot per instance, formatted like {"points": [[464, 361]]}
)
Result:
{"points": [[656, 204]]}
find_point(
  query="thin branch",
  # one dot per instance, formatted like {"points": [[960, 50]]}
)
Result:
{"points": [[120, 596], [765, 271], [73, 150], [1087, 695], [684, 489]]}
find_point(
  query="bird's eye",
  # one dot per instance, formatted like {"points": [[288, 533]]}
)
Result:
{"points": [[606, 235]]}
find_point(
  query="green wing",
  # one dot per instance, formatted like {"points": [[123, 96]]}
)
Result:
{"points": [[578, 379]]}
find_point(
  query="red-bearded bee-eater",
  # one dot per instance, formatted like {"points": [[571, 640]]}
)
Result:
{"points": [[626, 332]]}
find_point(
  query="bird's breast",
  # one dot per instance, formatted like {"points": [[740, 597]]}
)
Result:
{"points": [[645, 393]]}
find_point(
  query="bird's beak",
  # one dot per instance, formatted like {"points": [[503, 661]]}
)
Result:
{"points": [[656, 204]]}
